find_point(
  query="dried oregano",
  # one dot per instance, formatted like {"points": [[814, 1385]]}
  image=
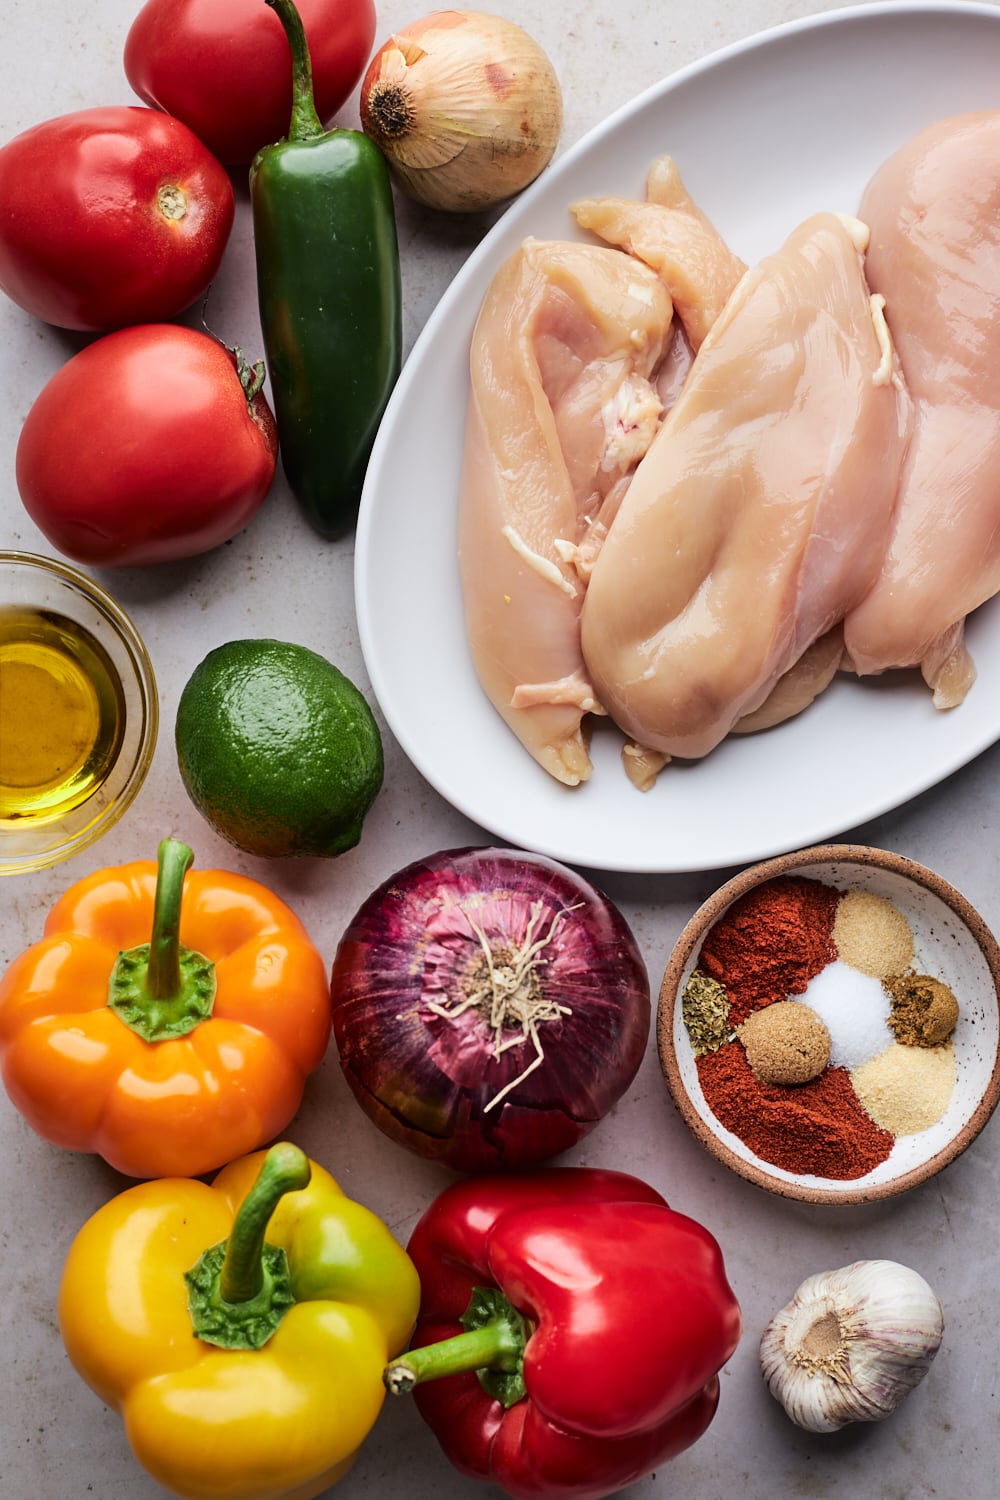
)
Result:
{"points": [[705, 1012]]}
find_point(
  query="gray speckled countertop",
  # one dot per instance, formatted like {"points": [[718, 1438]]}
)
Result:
{"points": [[58, 1439]]}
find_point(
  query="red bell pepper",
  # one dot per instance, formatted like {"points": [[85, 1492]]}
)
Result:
{"points": [[595, 1321]]}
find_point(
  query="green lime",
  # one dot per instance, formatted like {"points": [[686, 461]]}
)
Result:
{"points": [[278, 749]]}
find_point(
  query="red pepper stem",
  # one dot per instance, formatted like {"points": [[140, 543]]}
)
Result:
{"points": [[495, 1346], [305, 123], [163, 975], [285, 1169]]}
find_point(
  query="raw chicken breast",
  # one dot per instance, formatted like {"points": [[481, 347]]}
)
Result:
{"points": [[671, 234], [760, 514], [799, 686], [934, 213], [560, 412]]}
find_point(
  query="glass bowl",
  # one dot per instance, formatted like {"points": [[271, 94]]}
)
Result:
{"points": [[950, 941], [78, 712]]}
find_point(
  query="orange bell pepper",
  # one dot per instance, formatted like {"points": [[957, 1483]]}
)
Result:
{"points": [[166, 1021]]}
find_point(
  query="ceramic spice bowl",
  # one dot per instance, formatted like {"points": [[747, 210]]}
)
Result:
{"points": [[890, 1105]]}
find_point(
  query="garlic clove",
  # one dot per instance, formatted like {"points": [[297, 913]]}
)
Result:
{"points": [[851, 1344]]}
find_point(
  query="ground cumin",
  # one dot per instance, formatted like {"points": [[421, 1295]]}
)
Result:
{"points": [[771, 942], [924, 1010], [819, 1127]]}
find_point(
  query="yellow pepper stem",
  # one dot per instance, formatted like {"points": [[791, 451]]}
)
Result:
{"points": [[286, 1169], [240, 1289]]}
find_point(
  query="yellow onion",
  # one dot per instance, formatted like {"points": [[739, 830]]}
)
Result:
{"points": [[465, 107]]}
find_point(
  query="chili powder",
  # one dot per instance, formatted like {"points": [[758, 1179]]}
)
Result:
{"points": [[819, 1127], [771, 942]]}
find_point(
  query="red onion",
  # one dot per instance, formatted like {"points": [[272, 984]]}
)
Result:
{"points": [[489, 1007]]}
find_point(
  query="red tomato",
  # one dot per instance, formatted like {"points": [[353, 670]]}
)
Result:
{"points": [[223, 66], [144, 448], [110, 216]]}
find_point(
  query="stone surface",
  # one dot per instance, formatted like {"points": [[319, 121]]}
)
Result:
{"points": [[58, 1439]]}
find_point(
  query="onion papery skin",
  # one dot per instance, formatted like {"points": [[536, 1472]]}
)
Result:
{"points": [[466, 107], [426, 1079]]}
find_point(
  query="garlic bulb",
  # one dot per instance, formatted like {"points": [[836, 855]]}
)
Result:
{"points": [[851, 1344], [465, 107]]}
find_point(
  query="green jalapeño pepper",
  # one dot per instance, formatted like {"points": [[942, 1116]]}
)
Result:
{"points": [[330, 298]]}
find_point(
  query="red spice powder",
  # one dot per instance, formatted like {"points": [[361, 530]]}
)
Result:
{"points": [[771, 942], [818, 1127]]}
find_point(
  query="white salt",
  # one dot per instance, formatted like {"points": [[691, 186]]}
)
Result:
{"points": [[855, 1008]]}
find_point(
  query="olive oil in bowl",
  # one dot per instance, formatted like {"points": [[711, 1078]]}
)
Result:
{"points": [[62, 714], [78, 711]]}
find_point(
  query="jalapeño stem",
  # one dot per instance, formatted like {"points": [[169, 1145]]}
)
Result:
{"points": [[305, 122]]}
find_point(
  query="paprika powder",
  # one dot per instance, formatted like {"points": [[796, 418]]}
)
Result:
{"points": [[820, 1128], [771, 942]]}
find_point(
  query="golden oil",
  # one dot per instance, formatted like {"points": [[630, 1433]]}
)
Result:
{"points": [[62, 714]]}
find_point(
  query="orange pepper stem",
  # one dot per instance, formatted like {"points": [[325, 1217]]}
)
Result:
{"points": [[163, 975], [162, 990], [240, 1289]]}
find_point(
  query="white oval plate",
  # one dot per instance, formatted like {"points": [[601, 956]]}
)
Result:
{"points": [[764, 133]]}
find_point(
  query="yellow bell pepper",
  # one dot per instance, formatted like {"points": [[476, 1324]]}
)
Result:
{"points": [[240, 1329]]}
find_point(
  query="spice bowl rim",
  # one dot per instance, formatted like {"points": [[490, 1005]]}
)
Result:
{"points": [[815, 1189], [52, 845]]}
